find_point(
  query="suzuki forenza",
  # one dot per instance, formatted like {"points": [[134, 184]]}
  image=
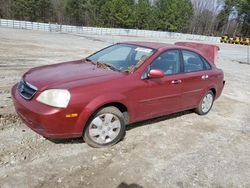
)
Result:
{"points": [[96, 97]]}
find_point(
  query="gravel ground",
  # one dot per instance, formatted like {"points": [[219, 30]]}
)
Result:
{"points": [[180, 150]]}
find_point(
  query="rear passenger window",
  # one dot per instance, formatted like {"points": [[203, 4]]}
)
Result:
{"points": [[207, 65], [192, 61]]}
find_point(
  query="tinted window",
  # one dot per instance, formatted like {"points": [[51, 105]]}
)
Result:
{"points": [[192, 61], [207, 65], [168, 62]]}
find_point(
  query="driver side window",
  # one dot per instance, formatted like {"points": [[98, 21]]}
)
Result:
{"points": [[168, 62]]}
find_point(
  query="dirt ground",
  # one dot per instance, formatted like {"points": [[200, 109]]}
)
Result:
{"points": [[180, 150]]}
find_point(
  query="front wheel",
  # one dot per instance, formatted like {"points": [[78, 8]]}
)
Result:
{"points": [[206, 103], [105, 128]]}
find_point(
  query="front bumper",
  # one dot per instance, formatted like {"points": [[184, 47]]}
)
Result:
{"points": [[47, 121]]}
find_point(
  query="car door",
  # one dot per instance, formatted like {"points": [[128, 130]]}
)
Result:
{"points": [[162, 95], [196, 77]]}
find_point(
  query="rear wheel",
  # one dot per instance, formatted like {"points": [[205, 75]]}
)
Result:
{"points": [[206, 103], [105, 128]]}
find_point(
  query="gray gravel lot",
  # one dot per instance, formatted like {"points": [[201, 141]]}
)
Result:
{"points": [[180, 150]]}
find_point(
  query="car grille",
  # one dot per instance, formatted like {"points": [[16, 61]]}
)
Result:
{"points": [[26, 90]]}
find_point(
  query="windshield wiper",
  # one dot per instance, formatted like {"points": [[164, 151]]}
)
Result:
{"points": [[105, 65], [102, 65], [90, 61]]}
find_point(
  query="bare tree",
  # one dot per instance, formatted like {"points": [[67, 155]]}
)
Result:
{"points": [[4, 8], [59, 10], [204, 16]]}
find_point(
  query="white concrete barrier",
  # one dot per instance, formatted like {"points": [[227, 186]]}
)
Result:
{"points": [[48, 27]]}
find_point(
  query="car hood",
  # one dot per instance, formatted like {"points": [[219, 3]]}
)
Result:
{"points": [[67, 75]]}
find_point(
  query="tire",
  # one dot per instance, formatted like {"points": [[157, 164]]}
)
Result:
{"points": [[105, 128], [206, 103]]}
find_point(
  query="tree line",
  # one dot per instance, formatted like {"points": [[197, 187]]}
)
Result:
{"points": [[213, 17]]}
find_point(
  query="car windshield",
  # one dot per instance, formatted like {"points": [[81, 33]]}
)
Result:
{"points": [[121, 57]]}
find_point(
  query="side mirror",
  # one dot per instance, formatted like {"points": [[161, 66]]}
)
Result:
{"points": [[155, 73]]}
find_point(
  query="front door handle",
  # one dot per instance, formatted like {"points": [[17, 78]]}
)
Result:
{"points": [[204, 77], [176, 82]]}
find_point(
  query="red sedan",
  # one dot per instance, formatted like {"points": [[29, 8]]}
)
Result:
{"points": [[124, 83]]}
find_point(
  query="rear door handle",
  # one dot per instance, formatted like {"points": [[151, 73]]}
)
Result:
{"points": [[204, 77], [176, 82]]}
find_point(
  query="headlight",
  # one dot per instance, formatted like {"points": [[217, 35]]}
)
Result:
{"points": [[55, 97]]}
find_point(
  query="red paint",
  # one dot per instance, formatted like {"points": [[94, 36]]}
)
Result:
{"points": [[92, 88], [155, 74]]}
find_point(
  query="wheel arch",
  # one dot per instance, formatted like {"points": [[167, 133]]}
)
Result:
{"points": [[101, 102], [214, 91], [210, 88], [123, 108]]}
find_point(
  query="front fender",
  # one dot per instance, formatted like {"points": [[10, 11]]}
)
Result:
{"points": [[94, 105]]}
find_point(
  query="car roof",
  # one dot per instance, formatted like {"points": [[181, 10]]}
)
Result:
{"points": [[155, 45], [158, 45], [178, 45]]}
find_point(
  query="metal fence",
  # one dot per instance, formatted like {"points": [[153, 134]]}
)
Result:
{"points": [[48, 27]]}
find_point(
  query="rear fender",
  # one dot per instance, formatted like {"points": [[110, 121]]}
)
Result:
{"points": [[210, 87]]}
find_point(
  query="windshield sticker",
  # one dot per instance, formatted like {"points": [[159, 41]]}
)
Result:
{"points": [[146, 50]]}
